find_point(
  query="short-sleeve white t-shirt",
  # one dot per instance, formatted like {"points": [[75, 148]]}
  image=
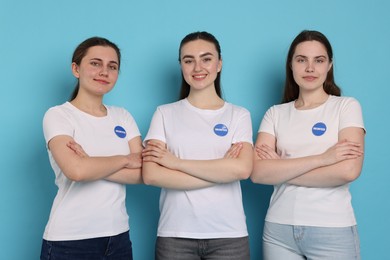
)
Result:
{"points": [[88, 209], [198, 134], [302, 133]]}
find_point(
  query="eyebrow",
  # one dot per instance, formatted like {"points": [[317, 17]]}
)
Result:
{"points": [[98, 59], [202, 55], [316, 57]]}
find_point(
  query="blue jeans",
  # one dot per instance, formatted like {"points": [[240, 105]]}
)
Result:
{"points": [[289, 242], [171, 248], [103, 248]]}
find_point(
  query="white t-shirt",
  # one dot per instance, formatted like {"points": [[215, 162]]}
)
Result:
{"points": [[88, 209], [198, 134], [302, 133]]}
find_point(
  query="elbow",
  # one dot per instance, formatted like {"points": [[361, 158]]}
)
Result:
{"points": [[260, 177], [256, 176], [257, 179], [148, 178], [75, 175], [352, 174], [352, 171], [244, 172], [77, 172], [253, 178]]}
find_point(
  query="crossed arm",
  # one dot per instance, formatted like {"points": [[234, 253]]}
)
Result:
{"points": [[163, 169], [340, 164], [78, 166]]}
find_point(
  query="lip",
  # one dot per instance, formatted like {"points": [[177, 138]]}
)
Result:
{"points": [[199, 76], [102, 81], [309, 78]]}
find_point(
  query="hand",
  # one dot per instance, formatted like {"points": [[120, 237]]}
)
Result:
{"points": [[135, 161], [78, 149], [265, 152], [233, 151], [341, 151], [158, 153]]}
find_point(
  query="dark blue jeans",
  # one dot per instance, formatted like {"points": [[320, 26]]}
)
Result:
{"points": [[103, 248], [171, 248]]}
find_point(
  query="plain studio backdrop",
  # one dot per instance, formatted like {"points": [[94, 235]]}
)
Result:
{"points": [[37, 39]]}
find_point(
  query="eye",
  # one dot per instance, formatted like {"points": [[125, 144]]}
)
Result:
{"points": [[187, 61], [207, 59], [95, 64], [113, 67], [320, 61]]}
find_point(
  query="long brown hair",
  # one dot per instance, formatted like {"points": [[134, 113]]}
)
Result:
{"points": [[291, 88], [185, 88]]}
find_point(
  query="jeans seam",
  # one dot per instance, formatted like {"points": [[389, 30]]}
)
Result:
{"points": [[357, 241]]}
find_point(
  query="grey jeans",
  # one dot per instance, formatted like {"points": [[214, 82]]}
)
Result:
{"points": [[171, 248]]}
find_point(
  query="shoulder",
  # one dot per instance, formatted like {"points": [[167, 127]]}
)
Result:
{"points": [[237, 109], [117, 109], [170, 106], [119, 113], [281, 108], [63, 110], [343, 101]]}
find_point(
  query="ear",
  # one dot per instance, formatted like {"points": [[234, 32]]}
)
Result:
{"points": [[75, 70], [330, 65], [219, 65]]}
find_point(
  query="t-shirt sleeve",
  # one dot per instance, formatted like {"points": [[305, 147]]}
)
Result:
{"points": [[244, 132], [131, 126], [351, 114], [267, 124], [56, 122], [156, 128]]}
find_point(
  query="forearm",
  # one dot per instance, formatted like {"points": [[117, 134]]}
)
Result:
{"points": [[222, 170], [217, 171], [94, 168], [277, 171], [330, 176], [126, 176], [157, 175]]}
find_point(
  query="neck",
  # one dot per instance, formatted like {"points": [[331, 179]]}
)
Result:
{"points": [[204, 99], [90, 106], [311, 100]]}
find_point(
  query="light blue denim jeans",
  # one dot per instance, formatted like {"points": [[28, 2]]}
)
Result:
{"points": [[289, 242], [171, 248]]}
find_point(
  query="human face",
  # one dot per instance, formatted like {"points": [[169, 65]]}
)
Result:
{"points": [[200, 64], [98, 70], [310, 65]]}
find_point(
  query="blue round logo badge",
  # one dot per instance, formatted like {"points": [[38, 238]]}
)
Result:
{"points": [[319, 129], [120, 131], [221, 130]]}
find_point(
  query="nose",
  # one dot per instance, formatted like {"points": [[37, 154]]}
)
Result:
{"points": [[309, 67], [198, 66], [103, 71]]}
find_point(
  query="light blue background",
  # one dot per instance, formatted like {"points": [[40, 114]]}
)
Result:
{"points": [[37, 39]]}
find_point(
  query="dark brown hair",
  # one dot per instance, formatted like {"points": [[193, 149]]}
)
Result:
{"points": [[81, 50], [291, 88], [185, 88]]}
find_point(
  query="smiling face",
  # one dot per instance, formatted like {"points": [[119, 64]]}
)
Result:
{"points": [[310, 65], [200, 64], [97, 71]]}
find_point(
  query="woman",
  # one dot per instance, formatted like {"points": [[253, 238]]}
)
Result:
{"points": [[88, 219], [310, 148], [190, 154]]}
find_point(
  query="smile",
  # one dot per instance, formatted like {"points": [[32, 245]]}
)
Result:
{"points": [[199, 76]]}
